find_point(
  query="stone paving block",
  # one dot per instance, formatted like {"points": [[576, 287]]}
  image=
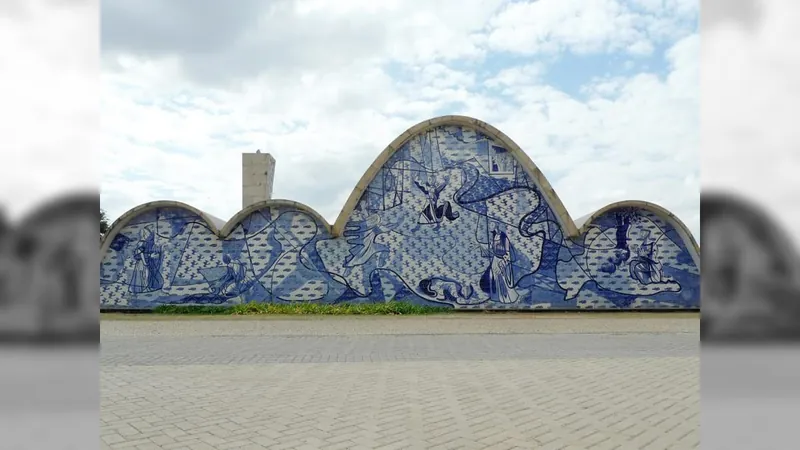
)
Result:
{"points": [[591, 395], [234, 445], [113, 438], [341, 445], [149, 446], [609, 444]]}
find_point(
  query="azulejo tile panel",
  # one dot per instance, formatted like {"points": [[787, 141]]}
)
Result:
{"points": [[451, 218]]}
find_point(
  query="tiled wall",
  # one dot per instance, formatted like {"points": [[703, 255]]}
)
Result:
{"points": [[451, 218], [48, 283]]}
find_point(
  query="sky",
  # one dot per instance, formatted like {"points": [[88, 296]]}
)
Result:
{"points": [[603, 95], [49, 101], [749, 84]]}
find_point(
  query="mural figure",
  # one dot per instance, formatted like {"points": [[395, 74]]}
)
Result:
{"points": [[235, 281], [633, 247], [433, 213], [444, 197], [146, 275], [501, 161], [622, 250], [643, 267], [498, 279]]}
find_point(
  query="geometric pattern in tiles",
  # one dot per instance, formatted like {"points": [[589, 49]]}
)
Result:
{"points": [[452, 218]]}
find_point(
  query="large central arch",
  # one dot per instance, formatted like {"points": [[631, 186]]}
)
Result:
{"points": [[538, 177]]}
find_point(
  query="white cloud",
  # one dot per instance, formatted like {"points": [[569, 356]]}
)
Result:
{"points": [[750, 133], [641, 48], [585, 26], [524, 75], [625, 135], [546, 26], [634, 138], [49, 111]]}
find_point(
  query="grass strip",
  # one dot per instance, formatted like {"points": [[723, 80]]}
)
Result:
{"points": [[371, 309]]}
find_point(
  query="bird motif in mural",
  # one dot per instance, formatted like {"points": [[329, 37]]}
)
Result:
{"points": [[434, 212]]}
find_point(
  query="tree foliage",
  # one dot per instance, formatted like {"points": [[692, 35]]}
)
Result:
{"points": [[103, 221]]}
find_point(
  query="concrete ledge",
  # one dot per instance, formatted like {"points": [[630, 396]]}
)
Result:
{"points": [[237, 218]]}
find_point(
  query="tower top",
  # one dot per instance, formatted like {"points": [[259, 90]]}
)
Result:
{"points": [[258, 174]]}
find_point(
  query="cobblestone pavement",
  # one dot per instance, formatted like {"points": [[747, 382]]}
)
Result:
{"points": [[510, 387]]}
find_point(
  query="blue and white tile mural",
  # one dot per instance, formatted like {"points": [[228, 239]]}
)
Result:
{"points": [[451, 218]]}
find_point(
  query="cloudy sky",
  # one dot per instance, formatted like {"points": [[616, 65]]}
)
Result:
{"points": [[49, 102], [601, 94], [749, 84]]}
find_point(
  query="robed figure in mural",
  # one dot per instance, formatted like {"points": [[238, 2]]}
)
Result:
{"points": [[146, 276], [498, 279]]}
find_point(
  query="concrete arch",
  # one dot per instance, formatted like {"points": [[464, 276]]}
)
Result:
{"points": [[715, 204], [53, 274], [66, 205], [288, 204], [585, 222], [213, 223], [547, 190]]}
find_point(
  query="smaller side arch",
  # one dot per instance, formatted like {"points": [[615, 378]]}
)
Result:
{"points": [[280, 203], [213, 223], [81, 202], [585, 222], [715, 204]]}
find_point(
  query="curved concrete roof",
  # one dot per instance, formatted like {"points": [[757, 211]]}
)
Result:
{"points": [[572, 228], [533, 171], [585, 222], [716, 203], [81, 202], [241, 215], [214, 223], [218, 226]]}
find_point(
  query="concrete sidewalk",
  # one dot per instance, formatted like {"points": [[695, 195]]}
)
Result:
{"points": [[468, 323]]}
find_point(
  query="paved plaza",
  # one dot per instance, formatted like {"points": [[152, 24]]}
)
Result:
{"points": [[479, 381]]}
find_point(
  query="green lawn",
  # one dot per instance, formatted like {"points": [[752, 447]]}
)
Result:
{"points": [[392, 308], [373, 309]]}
